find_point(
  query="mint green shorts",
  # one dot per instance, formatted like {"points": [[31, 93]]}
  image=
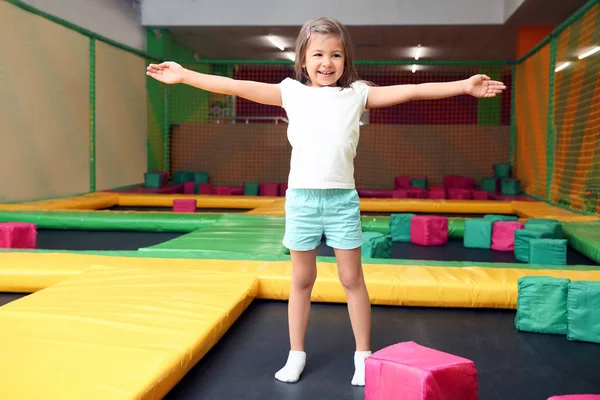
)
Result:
{"points": [[312, 213]]}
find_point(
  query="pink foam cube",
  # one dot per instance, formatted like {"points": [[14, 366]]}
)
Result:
{"points": [[459, 194], [417, 193], [503, 235], [18, 235], [189, 187], [429, 230], [205, 188], [268, 189], [282, 189], [409, 371], [437, 193], [576, 397], [481, 195], [402, 182], [184, 205], [400, 194], [222, 190]]}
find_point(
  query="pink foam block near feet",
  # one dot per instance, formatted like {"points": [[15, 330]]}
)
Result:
{"points": [[409, 371], [18, 235]]}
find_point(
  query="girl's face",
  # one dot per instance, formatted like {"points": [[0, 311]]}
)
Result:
{"points": [[324, 60]]}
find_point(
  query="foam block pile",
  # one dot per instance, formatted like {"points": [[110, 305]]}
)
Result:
{"points": [[559, 306], [537, 241]]}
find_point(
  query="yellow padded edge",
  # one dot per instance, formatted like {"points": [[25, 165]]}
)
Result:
{"points": [[276, 207], [538, 209], [92, 201], [202, 201], [470, 287], [436, 206], [116, 333]]}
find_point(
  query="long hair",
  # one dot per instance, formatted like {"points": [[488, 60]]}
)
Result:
{"points": [[326, 26]]}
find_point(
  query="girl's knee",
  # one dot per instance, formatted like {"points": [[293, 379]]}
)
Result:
{"points": [[304, 279], [352, 280]]}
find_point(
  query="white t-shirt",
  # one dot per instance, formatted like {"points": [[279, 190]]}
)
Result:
{"points": [[323, 131]]}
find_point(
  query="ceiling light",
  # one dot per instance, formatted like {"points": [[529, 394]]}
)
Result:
{"points": [[414, 68], [291, 56], [418, 52], [563, 66], [275, 43], [590, 52]]}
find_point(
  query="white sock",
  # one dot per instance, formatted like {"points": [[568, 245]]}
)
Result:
{"points": [[359, 368], [293, 368]]}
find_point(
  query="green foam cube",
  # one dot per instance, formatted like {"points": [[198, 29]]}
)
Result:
{"points": [[548, 251], [542, 305], [489, 185], [583, 311], [376, 245], [523, 238], [502, 170], [183, 176], [201, 177], [251, 189], [546, 224], [510, 187], [478, 233], [152, 180], [419, 182], [400, 227], [495, 217]]}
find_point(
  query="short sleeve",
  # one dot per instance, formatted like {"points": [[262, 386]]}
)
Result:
{"points": [[288, 86], [362, 89]]}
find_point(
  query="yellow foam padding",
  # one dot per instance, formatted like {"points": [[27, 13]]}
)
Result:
{"points": [[92, 201], [276, 207], [202, 201], [538, 209], [436, 206], [116, 333], [433, 286]]}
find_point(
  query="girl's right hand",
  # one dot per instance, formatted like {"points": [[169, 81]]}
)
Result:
{"points": [[166, 72]]}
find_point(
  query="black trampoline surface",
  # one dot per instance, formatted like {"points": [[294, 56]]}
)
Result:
{"points": [[456, 251], [511, 365], [82, 240], [170, 209]]}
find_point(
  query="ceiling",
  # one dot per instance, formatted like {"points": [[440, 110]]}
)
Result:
{"points": [[464, 42]]}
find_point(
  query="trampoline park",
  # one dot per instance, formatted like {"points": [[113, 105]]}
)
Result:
{"points": [[150, 265]]}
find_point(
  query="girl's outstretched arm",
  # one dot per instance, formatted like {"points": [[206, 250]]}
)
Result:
{"points": [[477, 86], [171, 72]]}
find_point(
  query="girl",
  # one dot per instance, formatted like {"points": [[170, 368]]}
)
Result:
{"points": [[324, 104]]}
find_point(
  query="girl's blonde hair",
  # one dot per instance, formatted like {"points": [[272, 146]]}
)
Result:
{"points": [[326, 26]]}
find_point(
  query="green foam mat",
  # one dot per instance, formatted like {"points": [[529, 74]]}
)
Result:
{"points": [[583, 305], [584, 237], [478, 233], [232, 235], [113, 220], [542, 305]]}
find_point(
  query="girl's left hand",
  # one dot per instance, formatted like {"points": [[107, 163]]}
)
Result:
{"points": [[484, 86]]}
